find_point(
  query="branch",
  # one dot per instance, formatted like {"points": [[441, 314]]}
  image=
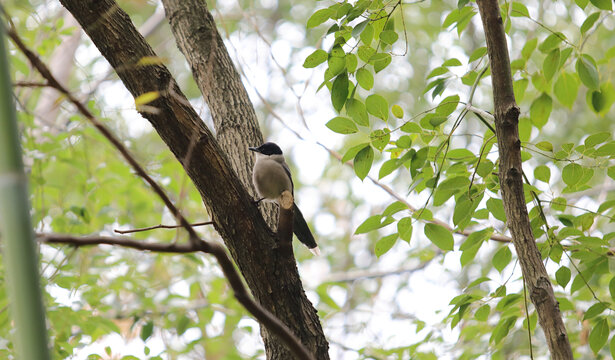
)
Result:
{"points": [[196, 244], [511, 183], [160, 226]]}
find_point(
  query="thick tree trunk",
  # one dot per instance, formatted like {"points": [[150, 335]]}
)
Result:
{"points": [[269, 269], [511, 182]]}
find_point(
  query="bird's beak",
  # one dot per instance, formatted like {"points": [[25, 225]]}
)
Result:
{"points": [[253, 149]]}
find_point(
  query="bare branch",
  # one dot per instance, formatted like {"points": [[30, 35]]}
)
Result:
{"points": [[160, 226]]}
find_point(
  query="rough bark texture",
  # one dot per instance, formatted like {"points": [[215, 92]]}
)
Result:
{"points": [[231, 109], [270, 273], [511, 182]]}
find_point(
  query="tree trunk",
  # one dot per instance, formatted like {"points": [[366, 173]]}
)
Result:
{"points": [[511, 183], [269, 269]]}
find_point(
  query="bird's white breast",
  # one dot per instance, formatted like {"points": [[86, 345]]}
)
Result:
{"points": [[269, 176]]}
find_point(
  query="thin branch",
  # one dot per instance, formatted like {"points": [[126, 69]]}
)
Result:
{"points": [[160, 226], [132, 243], [351, 276], [30, 84]]}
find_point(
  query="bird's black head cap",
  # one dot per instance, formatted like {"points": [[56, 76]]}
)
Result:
{"points": [[268, 148]]}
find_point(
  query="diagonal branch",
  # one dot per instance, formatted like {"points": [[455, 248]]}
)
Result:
{"points": [[196, 244]]}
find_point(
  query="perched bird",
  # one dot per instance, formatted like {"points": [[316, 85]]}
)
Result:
{"points": [[271, 176]]}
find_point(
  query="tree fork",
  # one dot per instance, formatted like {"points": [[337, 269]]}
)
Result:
{"points": [[511, 182]]}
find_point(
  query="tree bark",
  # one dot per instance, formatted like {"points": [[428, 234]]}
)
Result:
{"points": [[511, 183], [271, 274]]}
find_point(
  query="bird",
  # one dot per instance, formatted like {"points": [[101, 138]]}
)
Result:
{"points": [[271, 177]]}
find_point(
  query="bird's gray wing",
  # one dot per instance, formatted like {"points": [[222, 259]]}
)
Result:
{"points": [[287, 170]]}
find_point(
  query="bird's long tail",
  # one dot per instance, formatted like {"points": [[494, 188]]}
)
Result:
{"points": [[303, 232]]}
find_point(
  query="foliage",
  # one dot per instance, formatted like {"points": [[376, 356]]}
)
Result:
{"points": [[448, 162]]}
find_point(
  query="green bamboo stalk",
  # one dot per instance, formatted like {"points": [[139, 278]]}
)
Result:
{"points": [[20, 255]]}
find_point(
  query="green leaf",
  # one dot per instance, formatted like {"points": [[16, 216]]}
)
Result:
{"points": [[397, 111], [404, 228], [496, 208], [540, 110], [519, 10], [566, 89], [602, 4], [353, 151], [316, 58], [472, 244], [581, 3], [597, 138], [380, 138], [447, 106], [319, 17], [519, 88], [477, 54], [388, 37], [558, 204], [612, 287], [501, 258], [529, 48], [380, 61], [542, 173], [363, 162], [440, 236], [351, 62], [404, 142], [562, 275], [452, 62], [356, 110], [358, 29], [147, 330], [551, 42], [502, 329], [586, 69], [385, 244], [454, 183], [377, 106], [367, 35], [394, 208], [612, 346], [551, 64], [545, 145], [365, 52], [433, 120], [606, 149], [482, 313], [336, 67], [590, 21], [572, 173], [372, 223], [594, 310], [437, 72], [365, 78], [599, 334], [342, 125], [339, 91]]}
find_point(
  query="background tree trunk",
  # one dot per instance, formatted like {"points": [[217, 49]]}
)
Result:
{"points": [[270, 272], [511, 183]]}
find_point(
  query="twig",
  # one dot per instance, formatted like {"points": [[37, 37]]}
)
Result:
{"points": [[30, 84], [160, 226]]}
